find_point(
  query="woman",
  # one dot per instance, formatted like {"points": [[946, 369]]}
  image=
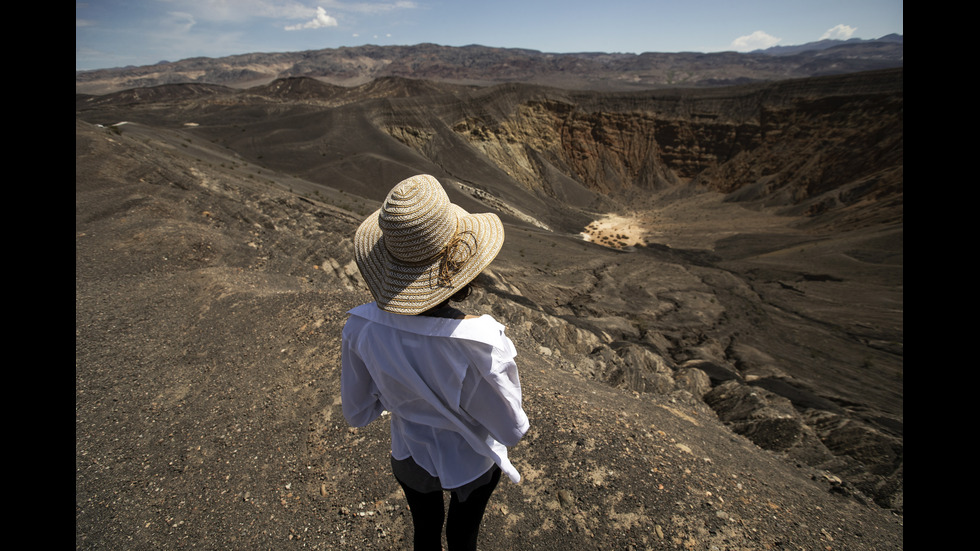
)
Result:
{"points": [[448, 380]]}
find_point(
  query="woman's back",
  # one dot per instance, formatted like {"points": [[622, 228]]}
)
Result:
{"points": [[450, 385]]}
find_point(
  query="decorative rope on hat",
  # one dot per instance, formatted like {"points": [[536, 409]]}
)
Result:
{"points": [[419, 248], [451, 261]]}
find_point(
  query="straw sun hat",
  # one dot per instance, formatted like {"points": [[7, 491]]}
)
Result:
{"points": [[419, 248]]}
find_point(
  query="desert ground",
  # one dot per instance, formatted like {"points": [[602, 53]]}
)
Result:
{"points": [[207, 410], [700, 371]]}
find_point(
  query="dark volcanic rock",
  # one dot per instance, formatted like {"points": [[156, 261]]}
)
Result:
{"points": [[767, 419]]}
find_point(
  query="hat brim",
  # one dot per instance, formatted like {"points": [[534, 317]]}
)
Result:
{"points": [[411, 289]]}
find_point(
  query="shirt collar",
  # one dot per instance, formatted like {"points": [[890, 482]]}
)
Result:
{"points": [[482, 329]]}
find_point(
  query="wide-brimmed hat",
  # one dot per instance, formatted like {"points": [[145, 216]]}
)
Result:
{"points": [[419, 248]]}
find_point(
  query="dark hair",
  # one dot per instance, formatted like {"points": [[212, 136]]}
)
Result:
{"points": [[459, 296]]}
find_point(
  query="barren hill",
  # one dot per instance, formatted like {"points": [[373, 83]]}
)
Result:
{"points": [[705, 287]]}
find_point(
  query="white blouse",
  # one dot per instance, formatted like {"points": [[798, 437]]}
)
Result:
{"points": [[450, 385]]}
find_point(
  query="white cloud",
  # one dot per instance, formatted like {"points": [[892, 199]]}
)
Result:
{"points": [[319, 21], [369, 7], [178, 22], [226, 11], [839, 32], [756, 41]]}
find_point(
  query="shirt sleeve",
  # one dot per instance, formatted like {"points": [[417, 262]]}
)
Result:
{"points": [[493, 396], [360, 397]]}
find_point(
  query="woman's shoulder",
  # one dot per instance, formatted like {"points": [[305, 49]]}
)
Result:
{"points": [[450, 322]]}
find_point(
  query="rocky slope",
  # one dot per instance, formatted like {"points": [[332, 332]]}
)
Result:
{"points": [[733, 380], [789, 144]]}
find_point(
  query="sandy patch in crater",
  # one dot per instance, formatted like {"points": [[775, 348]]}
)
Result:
{"points": [[696, 222], [616, 231]]}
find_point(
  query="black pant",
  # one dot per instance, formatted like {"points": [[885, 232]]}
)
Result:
{"points": [[463, 523]]}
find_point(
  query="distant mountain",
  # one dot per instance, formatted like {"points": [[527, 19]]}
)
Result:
{"points": [[884, 42], [482, 65]]}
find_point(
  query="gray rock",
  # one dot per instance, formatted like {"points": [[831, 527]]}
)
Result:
{"points": [[694, 381], [767, 419]]}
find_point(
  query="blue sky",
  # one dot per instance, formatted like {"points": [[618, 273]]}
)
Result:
{"points": [[115, 33]]}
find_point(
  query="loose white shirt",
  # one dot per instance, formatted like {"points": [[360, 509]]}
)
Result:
{"points": [[450, 385]]}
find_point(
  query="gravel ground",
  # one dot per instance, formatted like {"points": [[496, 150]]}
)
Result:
{"points": [[208, 313]]}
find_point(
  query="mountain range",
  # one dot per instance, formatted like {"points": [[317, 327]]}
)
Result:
{"points": [[483, 65]]}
